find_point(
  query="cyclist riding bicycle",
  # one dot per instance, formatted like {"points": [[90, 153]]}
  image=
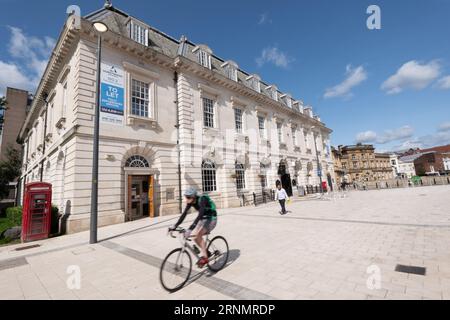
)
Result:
{"points": [[205, 222]]}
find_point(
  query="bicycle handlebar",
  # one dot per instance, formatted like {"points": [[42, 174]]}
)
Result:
{"points": [[179, 230]]}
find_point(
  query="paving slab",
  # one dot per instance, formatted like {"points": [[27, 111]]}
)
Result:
{"points": [[323, 249]]}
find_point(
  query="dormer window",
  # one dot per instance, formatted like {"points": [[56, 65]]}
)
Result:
{"points": [[231, 69], [308, 111], [203, 55], [254, 82], [300, 106], [138, 33], [287, 100], [273, 91]]}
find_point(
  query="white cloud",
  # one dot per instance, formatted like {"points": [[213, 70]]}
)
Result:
{"points": [[409, 144], [444, 126], [366, 137], [396, 134], [29, 56], [441, 137], [427, 141], [264, 18], [412, 75], [444, 83], [402, 133], [32, 50], [354, 78], [437, 139], [275, 56], [11, 76]]}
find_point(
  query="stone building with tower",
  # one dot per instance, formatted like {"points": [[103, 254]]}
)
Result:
{"points": [[173, 115]]}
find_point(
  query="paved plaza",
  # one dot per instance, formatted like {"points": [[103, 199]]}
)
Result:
{"points": [[332, 248]]}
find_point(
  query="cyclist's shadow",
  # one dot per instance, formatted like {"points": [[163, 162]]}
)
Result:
{"points": [[233, 255]]}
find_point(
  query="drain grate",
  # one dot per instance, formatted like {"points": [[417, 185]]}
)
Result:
{"points": [[411, 269], [28, 247], [82, 251]]}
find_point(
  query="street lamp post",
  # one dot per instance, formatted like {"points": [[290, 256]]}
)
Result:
{"points": [[319, 167], [101, 28]]}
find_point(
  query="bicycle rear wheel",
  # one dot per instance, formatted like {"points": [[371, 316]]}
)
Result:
{"points": [[175, 270], [218, 247]]}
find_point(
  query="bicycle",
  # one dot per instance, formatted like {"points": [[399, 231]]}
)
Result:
{"points": [[180, 268]]}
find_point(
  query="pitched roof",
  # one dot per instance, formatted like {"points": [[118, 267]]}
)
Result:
{"points": [[117, 21], [440, 149], [413, 157]]}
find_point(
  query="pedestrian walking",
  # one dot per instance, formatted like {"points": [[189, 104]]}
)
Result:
{"points": [[281, 196]]}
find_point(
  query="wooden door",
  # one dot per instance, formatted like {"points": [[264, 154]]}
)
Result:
{"points": [[129, 198], [151, 196]]}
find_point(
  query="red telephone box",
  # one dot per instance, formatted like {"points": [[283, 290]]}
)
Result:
{"points": [[37, 211], [324, 186]]}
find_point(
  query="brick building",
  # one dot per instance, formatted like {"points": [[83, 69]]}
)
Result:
{"points": [[429, 162], [18, 104]]}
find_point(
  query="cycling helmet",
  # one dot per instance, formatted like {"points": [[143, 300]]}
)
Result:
{"points": [[190, 192]]}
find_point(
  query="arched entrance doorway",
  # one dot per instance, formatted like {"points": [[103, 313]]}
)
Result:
{"points": [[285, 177], [140, 188]]}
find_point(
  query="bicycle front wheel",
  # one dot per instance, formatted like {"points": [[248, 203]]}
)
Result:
{"points": [[175, 270], [218, 248]]}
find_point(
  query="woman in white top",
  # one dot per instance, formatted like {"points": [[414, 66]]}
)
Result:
{"points": [[281, 196]]}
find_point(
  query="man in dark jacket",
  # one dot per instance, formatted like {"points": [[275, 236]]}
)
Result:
{"points": [[205, 222]]}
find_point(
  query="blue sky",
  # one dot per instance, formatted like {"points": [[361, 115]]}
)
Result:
{"points": [[390, 87]]}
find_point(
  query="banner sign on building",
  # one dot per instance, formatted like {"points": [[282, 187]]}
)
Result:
{"points": [[112, 102]]}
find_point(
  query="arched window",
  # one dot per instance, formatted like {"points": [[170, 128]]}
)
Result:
{"points": [[137, 162], [282, 169], [209, 176], [240, 176]]}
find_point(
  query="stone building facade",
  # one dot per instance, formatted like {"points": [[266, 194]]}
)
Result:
{"points": [[173, 115], [406, 168], [360, 163]]}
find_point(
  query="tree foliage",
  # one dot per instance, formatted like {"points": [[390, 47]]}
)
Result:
{"points": [[10, 170], [3, 104]]}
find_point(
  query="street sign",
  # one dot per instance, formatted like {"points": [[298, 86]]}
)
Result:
{"points": [[319, 172]]}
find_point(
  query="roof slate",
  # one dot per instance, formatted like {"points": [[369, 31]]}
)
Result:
{"points": [[117, 22]]}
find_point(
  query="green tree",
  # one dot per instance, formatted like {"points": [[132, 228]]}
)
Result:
{"points": [[3, 104], [10, 170]]}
